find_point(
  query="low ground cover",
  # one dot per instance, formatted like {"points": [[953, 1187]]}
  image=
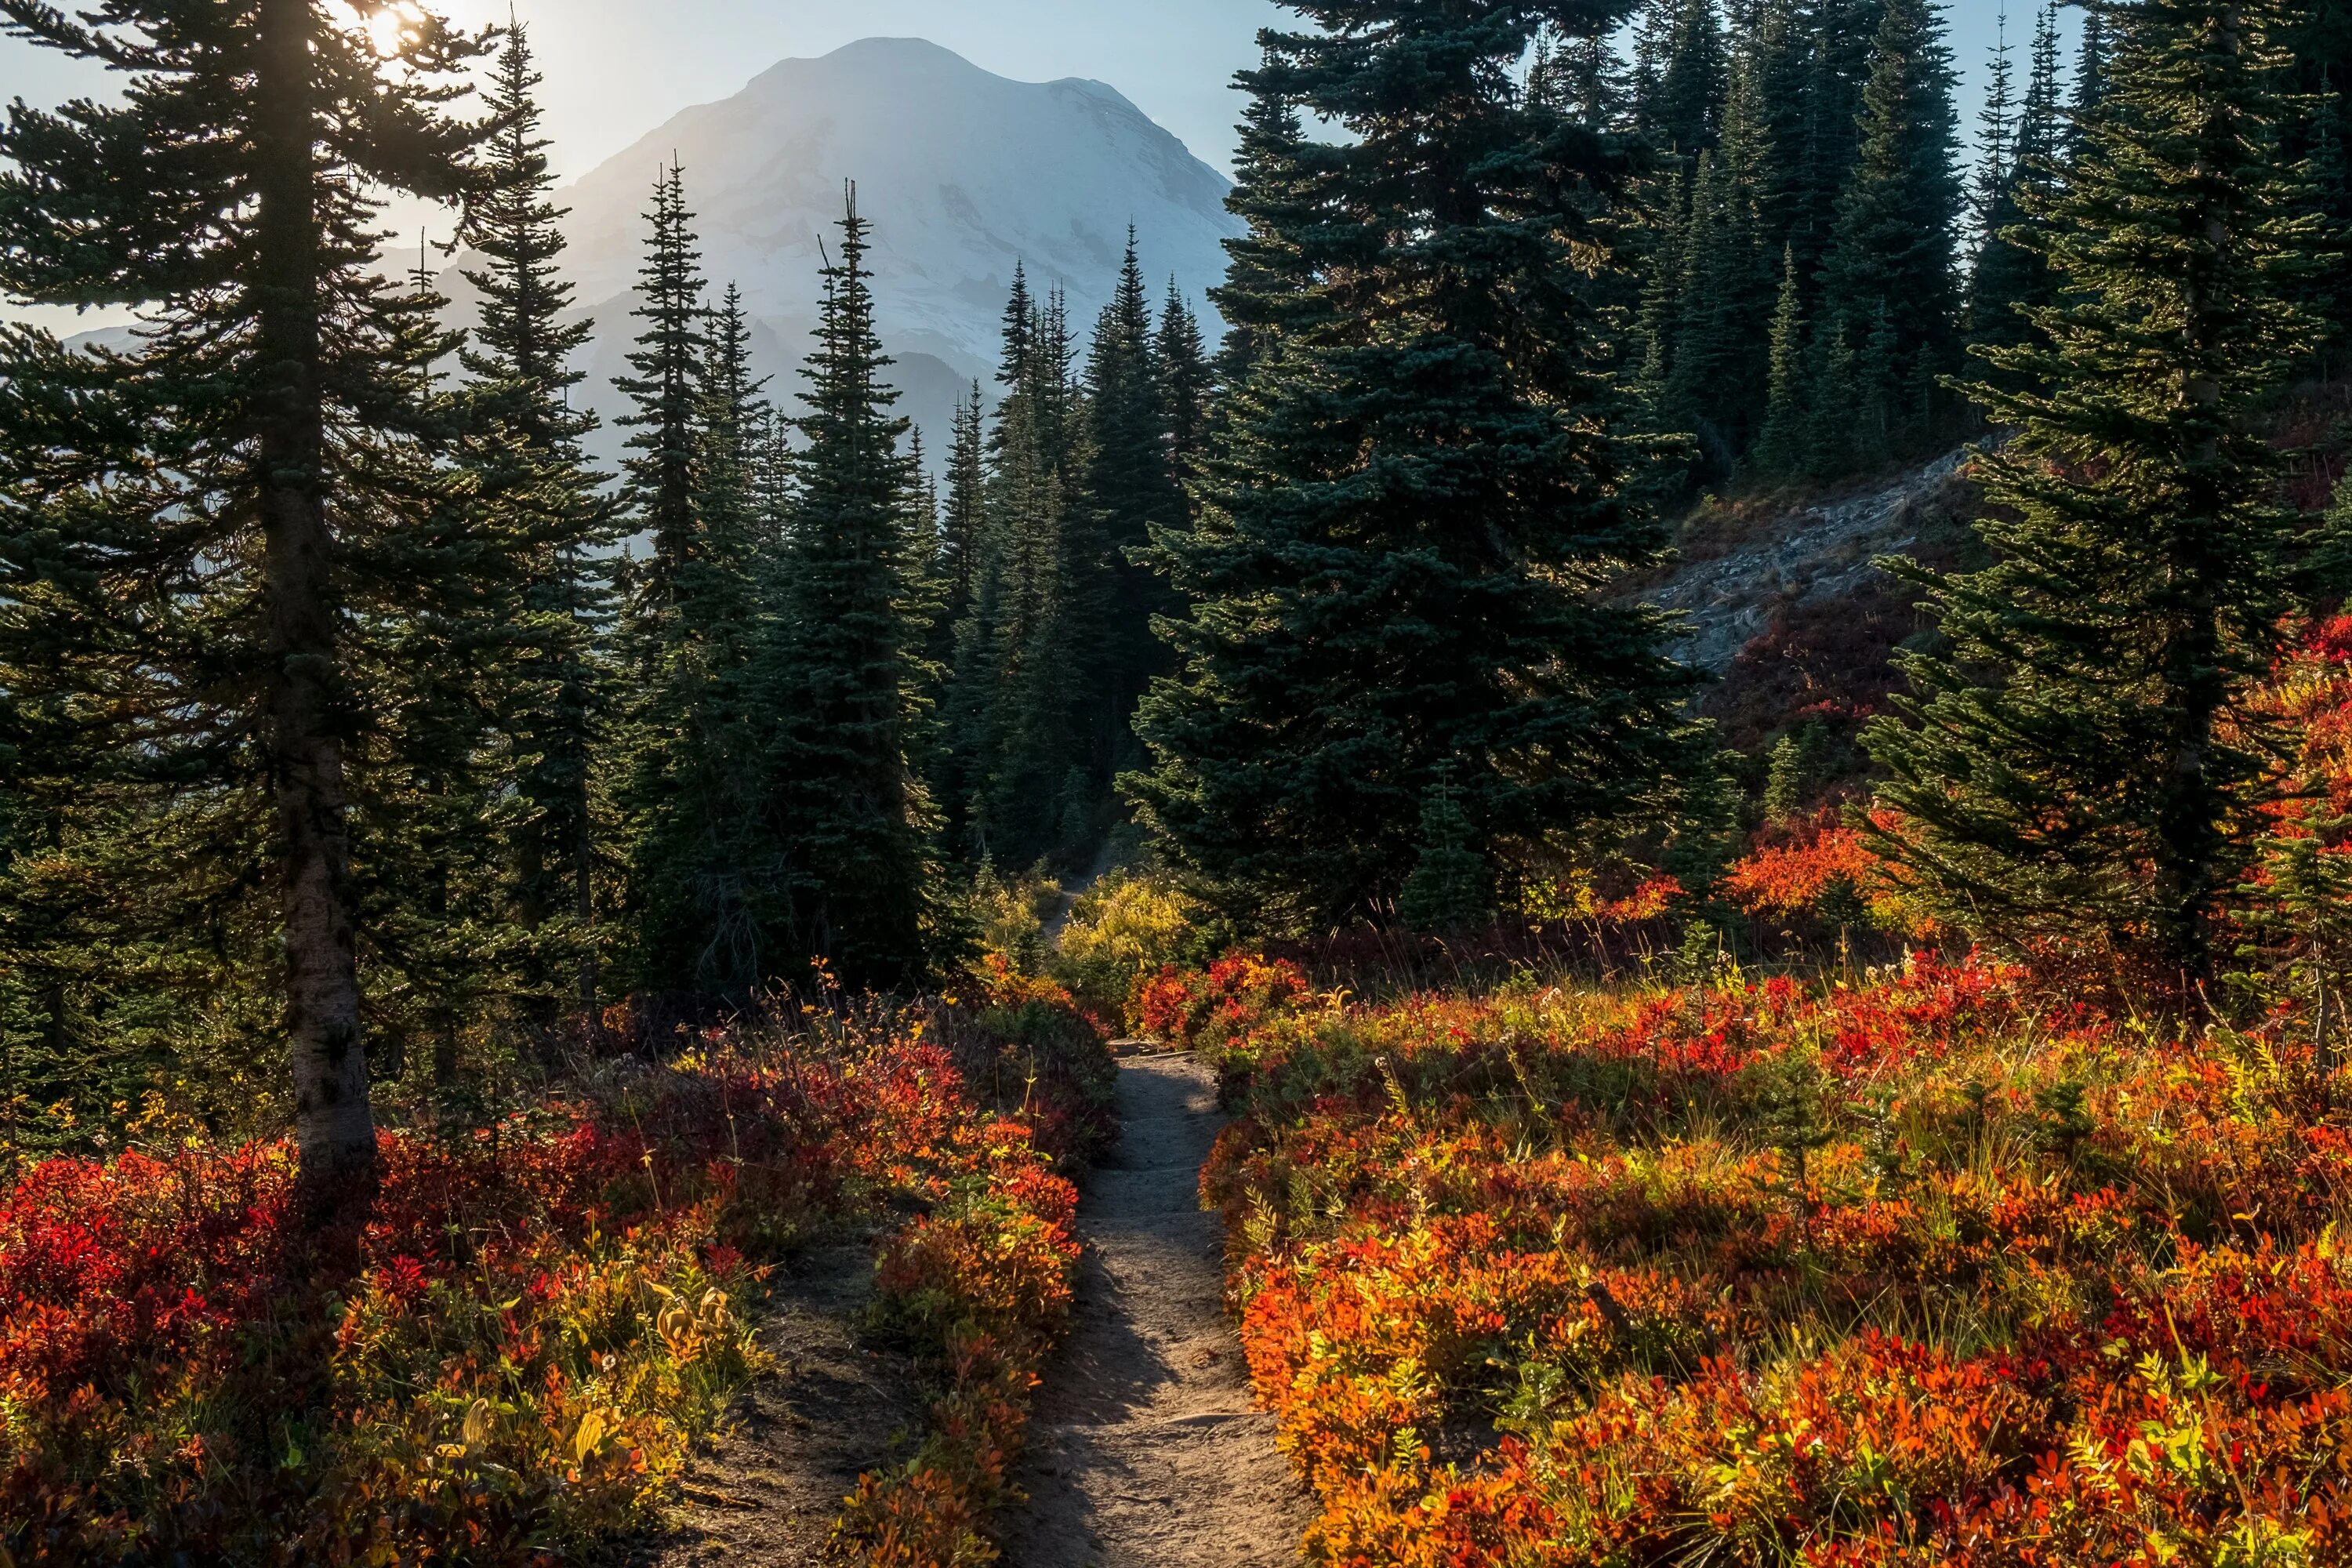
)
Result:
{"points": [[544, 1315], [1926, 1267]]}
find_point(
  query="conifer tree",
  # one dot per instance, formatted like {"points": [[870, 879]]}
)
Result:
{"points": [[2080, 763], [1780, 449], [1451, 886], [1180, 356], [696, 881], [1890, 289], [523, 451], [846, 656], [1996, 134], [1688, 110], [2010, 278], [1412, 508], [666, 390], [203, 509], [1051, 604], [1266, 291], [1840, 65], [1131, 483], [967, 500]]}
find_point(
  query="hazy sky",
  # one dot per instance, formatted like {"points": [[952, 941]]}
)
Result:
{"points": [[617, 68]]}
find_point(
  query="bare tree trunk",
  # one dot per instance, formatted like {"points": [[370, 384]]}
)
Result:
{"points": [[334, 1124]]}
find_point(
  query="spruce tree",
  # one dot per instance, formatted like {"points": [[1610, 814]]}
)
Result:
{"points": [[2081, 763], [2010, 278], [202, 509], [846, 657], [554, 704], [1180, 356], [1131, 484], [1890, 296], [1266, 293], [666, 390], [1413, 508], [1780, 449]]}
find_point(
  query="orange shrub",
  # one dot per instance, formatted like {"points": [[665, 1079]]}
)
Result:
{"points": [[1924, 1270]]}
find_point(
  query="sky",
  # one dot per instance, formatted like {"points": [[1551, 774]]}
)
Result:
{"points": [[617, 68]]}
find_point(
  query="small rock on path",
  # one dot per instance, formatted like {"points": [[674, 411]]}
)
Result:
{"points": [[1145, 1451]]}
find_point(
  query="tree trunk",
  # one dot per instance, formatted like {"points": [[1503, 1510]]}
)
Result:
{"points": [[334, 1125]]}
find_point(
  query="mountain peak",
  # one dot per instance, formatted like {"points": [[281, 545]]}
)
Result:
{"points": [[961, 172]]}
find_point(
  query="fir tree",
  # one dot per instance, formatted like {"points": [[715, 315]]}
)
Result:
{"points": [[1411, 508], [666, 388], [1451, 888], [1889, 293], [1780, 449], [523, 449], [1688, 108], [967, 499], [2080, 764], [1131, 484], [198, 517], [1179, 356], [847, 657], [1996, 134], [2010, 278], [1840, 63]]}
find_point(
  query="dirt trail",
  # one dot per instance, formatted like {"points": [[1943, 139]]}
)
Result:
{"points": [[831, 1410], [1146, 1452]]}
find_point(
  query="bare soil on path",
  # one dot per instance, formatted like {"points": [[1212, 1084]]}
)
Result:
{"points": [[1145, 1451], [829, 1410]]}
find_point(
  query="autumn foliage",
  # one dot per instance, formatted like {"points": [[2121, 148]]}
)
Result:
{"points": [[1928, 1269], [545, 1316]]}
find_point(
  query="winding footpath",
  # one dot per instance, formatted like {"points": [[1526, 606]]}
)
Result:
{"points": [[1145, 1452]]}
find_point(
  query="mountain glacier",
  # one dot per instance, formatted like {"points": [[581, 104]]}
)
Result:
{"points": [[962, 174]]}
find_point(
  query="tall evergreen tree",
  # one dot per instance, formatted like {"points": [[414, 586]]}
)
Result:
{"points": [[553, 707], [2009, 278], [967, 499], [1996, 133], [200, 520], [1266, 291], [846, 656], [1782, 447], [666, 388], [1839, 61], [1180, 356], [1412, 507], [1688, 108], [1890, 296], [2079, 763], [1131, 482], [695, 880]]}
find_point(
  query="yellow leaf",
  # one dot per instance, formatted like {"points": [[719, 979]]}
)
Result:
{"points": [[477, 1429], [590, 1437]]}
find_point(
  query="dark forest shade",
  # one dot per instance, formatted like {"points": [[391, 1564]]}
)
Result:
{"points": [[209, 531]]}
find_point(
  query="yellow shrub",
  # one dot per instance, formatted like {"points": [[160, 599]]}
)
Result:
{"points": [[1120, 932]]}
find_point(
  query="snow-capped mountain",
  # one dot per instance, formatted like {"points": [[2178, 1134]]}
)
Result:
{"points": [[962, 174]]}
